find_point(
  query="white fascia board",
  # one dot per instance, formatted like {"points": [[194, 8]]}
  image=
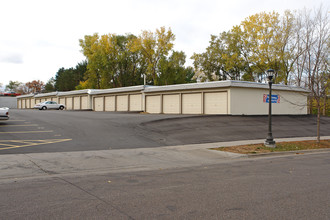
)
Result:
{"points": [[46, 94], [245, 84], [223, 84], [25, 96], [214, 84], [75, 92], [118, 90]]}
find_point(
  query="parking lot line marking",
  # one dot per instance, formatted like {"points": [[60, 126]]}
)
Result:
{"points": [[23, 132], [29, 143], [18, 125], [7, 145], [20, 141], [16, 120]]}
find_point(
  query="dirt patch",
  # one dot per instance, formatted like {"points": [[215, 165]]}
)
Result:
{"points": [[283, 146]]}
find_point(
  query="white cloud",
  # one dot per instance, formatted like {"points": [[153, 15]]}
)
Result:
{"points": [[11, 58]]}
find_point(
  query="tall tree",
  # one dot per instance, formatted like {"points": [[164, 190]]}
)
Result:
{"points": [[35, 86], [316, 65], [260, 42], [68, 79], [223, 58], [111, 63], [50, 85], [288, 42], [154, 46], [13, 86], [91, 51], [172, 70], [260, 36]]}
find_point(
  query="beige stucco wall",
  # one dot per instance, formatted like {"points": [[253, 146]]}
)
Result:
{"points": [[247, 101]]}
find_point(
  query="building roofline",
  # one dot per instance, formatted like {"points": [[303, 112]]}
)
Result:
{"points": [[223, 84], [25, 96], [118, 90], [46, 94], [188, 86]]}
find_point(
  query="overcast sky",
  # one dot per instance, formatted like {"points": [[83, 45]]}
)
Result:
{"points": [[38, 37]]}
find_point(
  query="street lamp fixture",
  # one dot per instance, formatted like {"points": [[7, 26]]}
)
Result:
{"points": [[270, 140]]}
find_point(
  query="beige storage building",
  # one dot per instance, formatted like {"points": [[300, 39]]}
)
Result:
{"points": [[220, 97], [123, 99], [25, 101], [42, 97], [76, 100], [226, 98]]}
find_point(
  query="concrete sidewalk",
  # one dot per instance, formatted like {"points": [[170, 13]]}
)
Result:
{"points": [[45, 164]]}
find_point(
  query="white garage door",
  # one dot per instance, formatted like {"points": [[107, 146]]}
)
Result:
{"points": [[215, 103], [171, 104], [19, 103], [69, 103], [98, 104], [76, 103], [135, 102], [110, 103], [28, 103], [23, 103], [84, 102], [43, 100], [153, 104], [122, 103], [192, 103], [62, 101]]}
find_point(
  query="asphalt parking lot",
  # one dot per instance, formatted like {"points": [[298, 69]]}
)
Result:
{"points": [[33, 131]]}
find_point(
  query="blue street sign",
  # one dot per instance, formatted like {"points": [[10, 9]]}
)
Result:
{"points": [[275, 98]]}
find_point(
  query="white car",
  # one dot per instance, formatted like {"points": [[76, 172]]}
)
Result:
{"points": [[4, 113], [49, 105]]}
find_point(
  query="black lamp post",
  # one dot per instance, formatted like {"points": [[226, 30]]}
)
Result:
{"points": [[270, 141]]}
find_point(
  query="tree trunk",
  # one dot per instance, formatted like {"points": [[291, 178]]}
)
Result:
{"points": [[318, 122]]}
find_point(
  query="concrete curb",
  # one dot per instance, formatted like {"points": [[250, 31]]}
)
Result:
{"points": [[289, 152]]}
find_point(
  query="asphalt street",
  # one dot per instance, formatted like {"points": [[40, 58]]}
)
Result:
{"points": [[34, 131], [102, 165], [287, 187]]}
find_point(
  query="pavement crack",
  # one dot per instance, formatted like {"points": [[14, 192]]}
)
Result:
{"points": [[97, 197], [42, 169]]}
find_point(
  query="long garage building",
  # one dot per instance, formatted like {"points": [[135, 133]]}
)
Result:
{"points": [[220, 97]]}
